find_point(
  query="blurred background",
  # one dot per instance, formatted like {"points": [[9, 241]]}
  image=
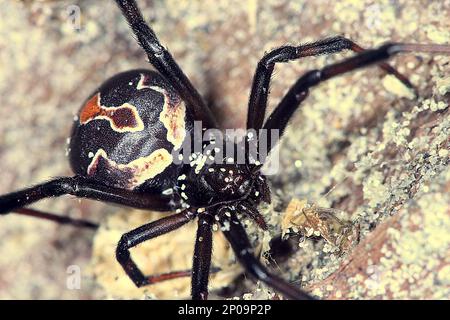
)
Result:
{"points": [[361, 144]]}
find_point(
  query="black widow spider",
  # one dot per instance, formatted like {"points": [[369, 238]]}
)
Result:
{"points": [[122, 145]]}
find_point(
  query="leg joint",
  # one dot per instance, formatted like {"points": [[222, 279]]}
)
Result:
{"points": [[58, 187], [309, 79], [122, 253]]}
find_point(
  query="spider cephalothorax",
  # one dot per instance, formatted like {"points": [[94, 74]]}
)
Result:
{"points": [[232, 186], [128, 133]]}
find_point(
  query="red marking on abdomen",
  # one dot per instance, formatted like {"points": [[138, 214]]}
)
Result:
{"points": [[122, 119]]}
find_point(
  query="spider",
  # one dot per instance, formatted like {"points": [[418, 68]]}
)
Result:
{"points": [[124, 138]]}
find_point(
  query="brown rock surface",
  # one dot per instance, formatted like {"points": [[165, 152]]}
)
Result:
{"points": [[359, 144]]}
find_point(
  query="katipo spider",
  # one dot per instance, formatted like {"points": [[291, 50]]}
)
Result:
{"points": [[125, 138]]}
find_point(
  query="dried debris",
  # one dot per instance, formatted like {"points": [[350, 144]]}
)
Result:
{"points": [[310, 220]]}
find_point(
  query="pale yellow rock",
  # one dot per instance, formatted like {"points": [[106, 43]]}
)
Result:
{"points": [[170, 252]]}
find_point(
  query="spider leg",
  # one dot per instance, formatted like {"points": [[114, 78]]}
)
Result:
{"points": [[202, 257], [236, 235], [157, 278], [144, 233], [163, 61], [55, 218], [299, 91], [261, 81], [83, 188]]}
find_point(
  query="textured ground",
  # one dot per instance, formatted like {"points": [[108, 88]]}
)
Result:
{"points": [[360, 144]]}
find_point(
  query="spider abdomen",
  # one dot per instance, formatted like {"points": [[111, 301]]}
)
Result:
{"points": [[126, 131]]}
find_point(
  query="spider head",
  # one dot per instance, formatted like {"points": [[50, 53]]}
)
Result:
{"points": [[223, 183]]}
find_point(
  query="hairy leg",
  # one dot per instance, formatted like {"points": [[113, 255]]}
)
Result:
{"points": [[84, 188], [144, 233], [263, 74], [163, 61], [299, 91], [202, 257], [236, 235]]}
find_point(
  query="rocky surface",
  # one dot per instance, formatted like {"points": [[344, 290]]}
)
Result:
{"points": [[360, 144]]}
